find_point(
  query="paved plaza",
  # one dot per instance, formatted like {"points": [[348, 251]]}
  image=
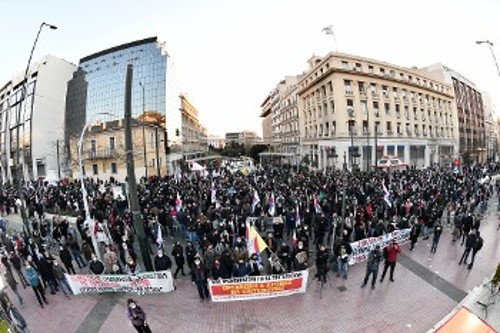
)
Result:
{"points": [[426, 288]]}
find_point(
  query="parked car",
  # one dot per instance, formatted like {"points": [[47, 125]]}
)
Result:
{"points": [[391, 163]]}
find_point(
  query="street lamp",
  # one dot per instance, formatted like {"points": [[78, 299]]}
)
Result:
{"points": [[19, 166], [490, 45], [82, 183]]}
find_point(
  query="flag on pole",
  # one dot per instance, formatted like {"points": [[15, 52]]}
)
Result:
{"points": [[255, 243], [294, 239], [328, 30], [213, 192], [178, 203], [159, 238], [317, 207], [272, 205], [387, 196], [255, 200], [297, 219]]}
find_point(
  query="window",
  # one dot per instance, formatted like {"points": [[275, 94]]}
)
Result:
{"points": [[398, 128], [358, 67], [95, 169], [375, 109], [350, 108], [370, 69], [361, 87], [330, 86], [332, 104], [387, 108], [389, 127], [365, 126], [345, 65], [83, 169], [382, 71], [113, 168], [348, 86], [112, 143]]}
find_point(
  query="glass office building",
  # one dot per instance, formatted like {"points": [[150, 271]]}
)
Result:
{"points": [[97, 91]]}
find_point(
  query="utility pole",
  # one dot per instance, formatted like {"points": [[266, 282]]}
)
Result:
{"points": [[344, 188], [376, 147], [132, 184], [58, 161], [144, 130], [157, 151]]}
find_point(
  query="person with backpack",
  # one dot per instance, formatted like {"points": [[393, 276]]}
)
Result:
{"points": [[372, 265], [478, 245], [469, 244]]}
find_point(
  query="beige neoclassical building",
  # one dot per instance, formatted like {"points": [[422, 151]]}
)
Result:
{"points": [[361, 108]]}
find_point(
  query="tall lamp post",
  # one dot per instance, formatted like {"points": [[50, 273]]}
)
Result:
{"points": [[490, 45], [19, 167], [89, 221], [143, 129]]}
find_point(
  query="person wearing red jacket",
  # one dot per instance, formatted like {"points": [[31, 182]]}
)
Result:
{"points": [[391, 256]]}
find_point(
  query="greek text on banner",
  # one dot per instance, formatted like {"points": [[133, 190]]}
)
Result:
{"points": [[149, 283], [255, 287], [362, 248]]}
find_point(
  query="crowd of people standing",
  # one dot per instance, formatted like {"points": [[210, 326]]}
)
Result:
{"points": [[203, 217]]}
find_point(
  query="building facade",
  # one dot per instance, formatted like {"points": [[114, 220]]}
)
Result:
{"points": [[357, 109], [216, 141], [491, 128], [194, 134], [281, 117], [245, 138], [104, 154], [33, 123], [96, 92], [470, 112]]}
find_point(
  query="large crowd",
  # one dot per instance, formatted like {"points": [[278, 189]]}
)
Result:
{"points": [[202, 220]]}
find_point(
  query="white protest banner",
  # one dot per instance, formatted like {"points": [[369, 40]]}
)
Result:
{"points": [[149, 283], [362, 248], [255, 287]]}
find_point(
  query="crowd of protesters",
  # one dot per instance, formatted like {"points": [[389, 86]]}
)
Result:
{"points": [[203, 217]]}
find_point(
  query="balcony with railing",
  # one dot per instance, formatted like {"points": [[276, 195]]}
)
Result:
{"points": [[100, 154]]}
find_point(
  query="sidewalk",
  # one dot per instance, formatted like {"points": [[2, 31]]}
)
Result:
{"points": [[427, 288]]}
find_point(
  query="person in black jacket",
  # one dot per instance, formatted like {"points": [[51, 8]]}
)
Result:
{"points": [[162, 262], [469, 244], [96, 266], [322, 263], [178, 254], [200, 277], [478, 245], [46, 272], [16, 263], [66, 259], [414, 233], [190, 252]]}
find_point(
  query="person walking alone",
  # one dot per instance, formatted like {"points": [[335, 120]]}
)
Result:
{"points": [[391, 256], [478, 245], [438, 230], [178, 254], [469, 243], [137, 317], [372, 265]]}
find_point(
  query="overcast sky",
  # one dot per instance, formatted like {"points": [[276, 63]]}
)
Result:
{"points": [[227, 55]]}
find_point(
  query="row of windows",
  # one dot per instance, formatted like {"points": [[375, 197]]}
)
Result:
{"points": [[382, 71], [326, 130]]}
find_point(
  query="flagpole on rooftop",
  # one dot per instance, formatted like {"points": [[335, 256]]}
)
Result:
{"points": [[329, 31]]}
